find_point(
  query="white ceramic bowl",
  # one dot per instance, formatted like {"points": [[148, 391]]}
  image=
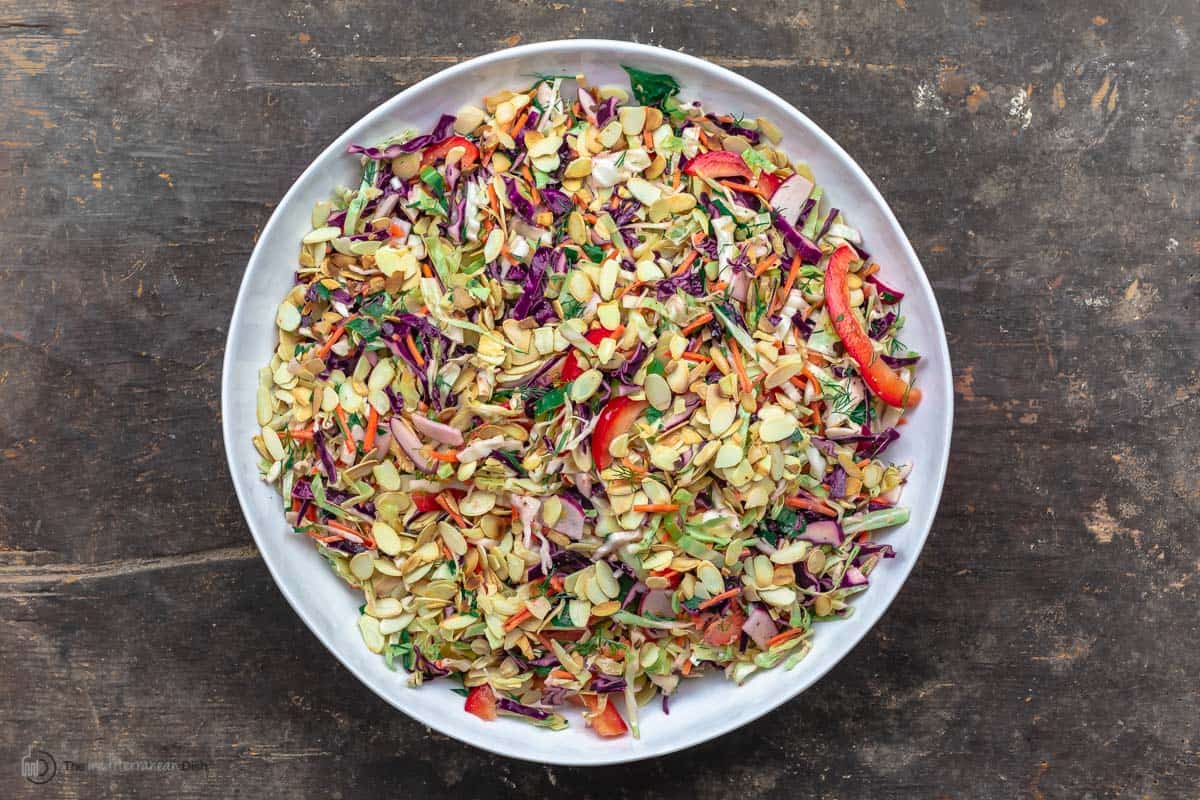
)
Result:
{"points": [[704, 708]]}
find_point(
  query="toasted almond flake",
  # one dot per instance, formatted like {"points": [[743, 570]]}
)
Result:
{"points": [[779, 596], [776, 429], [325, 234], [362, 565], [477, 503], [273, 445], [721, 417], [372, 636], [658, 392], [579, 611], [730, 455], [579, 168], [586, 385], [609, 271]]}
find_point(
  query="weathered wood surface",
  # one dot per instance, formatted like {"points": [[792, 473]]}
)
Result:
{"points": [[1042, 156]]}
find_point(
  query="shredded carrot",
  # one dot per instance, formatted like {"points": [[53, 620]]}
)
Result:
{"points": [[656, 508], [533, 192], [518, 124], [394, 230], [871, 269], [863, 464], [493, 201], [426, 271], [372, 424], [556, 581], [624, 290], [648, 138], [632, 466], [778, 638], [688, 260], [517, 618], [902, 421], [343, 422], [698, 322], [562, 674], [809, 504], [334, 335], [744, 187], [766, 264], [696, 357], [449, 458], [793, 271], [818, 425], [302, 435], [743, 378], [449, 509], [798, 382], [717, 287], [675, 180], [686, 669], [412, 348], [337, 526], [712, 601]]}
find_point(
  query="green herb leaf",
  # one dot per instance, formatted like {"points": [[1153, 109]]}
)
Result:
{"points": [[594, 252], [551, 400], [651, 88]]}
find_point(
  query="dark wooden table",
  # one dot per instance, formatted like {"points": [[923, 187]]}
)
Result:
{"points": [[1043, 158]]}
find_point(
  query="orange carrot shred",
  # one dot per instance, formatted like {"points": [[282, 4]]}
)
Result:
{"points": [[743, 378], [791, 633], [698, 322], [656, 508], [712, 601], [793, 271], [412, 348], [372, 424]]}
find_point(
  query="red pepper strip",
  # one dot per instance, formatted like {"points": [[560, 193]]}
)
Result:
{"points": [[481, 701], [570, 368], [882, 379], [438, 150], [608, 722], [718, 164], [768, 183], [615, 418]]}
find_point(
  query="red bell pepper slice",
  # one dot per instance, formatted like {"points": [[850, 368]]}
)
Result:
{"points": [[882, 379], [768, 183], [718, 164], [481, 701], [725, 630], [437, 151], [607, 723], [570, 368], [428, 502], [615, 418]]}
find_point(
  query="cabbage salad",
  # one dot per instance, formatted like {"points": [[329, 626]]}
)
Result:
{"points": [[588, 391]]}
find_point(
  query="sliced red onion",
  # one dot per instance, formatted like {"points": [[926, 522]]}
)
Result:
{"points": [[438, 431], [759, 626], [406, 437], [790, 197], [657, 603], [570, 522], [588, 104], [826, 531], [740, 286], [854, 577]]}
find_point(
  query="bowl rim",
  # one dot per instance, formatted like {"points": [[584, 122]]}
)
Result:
{"points": [[617, 48]]}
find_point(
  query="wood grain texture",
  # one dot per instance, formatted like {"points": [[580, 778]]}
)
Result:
{"points": [[1043, 159]]}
